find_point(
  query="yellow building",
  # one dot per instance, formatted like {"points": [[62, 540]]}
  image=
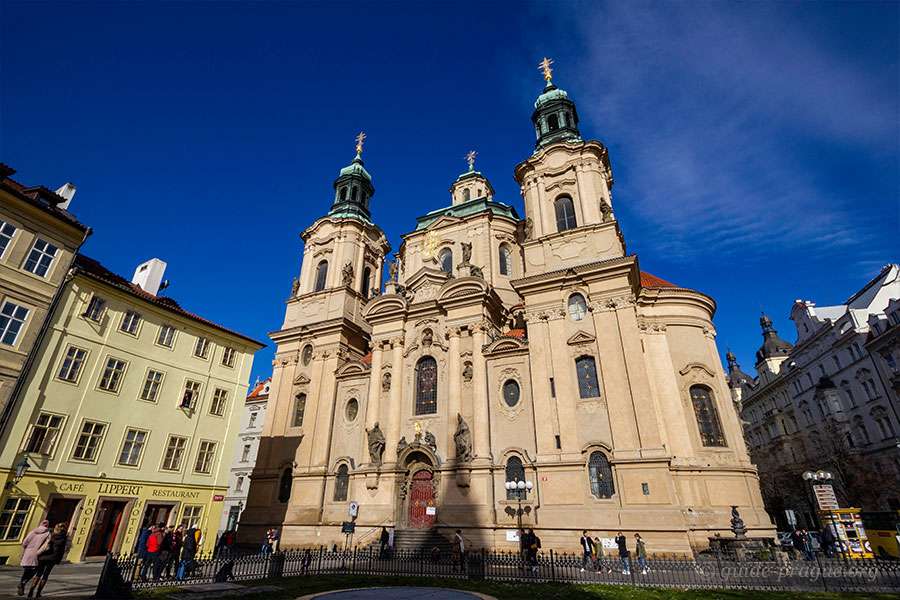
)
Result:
{"points": [[129, 413]]}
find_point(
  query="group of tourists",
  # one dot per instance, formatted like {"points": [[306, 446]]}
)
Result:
{"points": [[43, 549], [161, 548], [270, 543], [802, 542], [594, 559]]}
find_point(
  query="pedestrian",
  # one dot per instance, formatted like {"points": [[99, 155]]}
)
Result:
{"points": [[799, 543], [307, 559], [32, 544], [459, 551], [599, 559], [828, 541], [531, 549], [273, 540], [587, 548], [171, 544], [141, 549], [267, 540], [154, 545], [190, 544], [640, 551], [52, 555], [623, 553], [808, 542], [385, 537]]}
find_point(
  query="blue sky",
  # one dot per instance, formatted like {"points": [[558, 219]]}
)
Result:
{"points": [[754, 145]]}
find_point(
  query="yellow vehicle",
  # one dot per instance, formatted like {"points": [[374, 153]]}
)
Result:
{"points": [[849, 531], [883, 529]]}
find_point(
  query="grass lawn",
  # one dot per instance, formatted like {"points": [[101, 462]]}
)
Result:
{"points": [[294, 587]]}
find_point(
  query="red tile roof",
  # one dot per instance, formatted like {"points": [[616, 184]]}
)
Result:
{"points": [[34, 195], [256, 393], [516, 333], [648, 280], [94, 269], [367, 359]]}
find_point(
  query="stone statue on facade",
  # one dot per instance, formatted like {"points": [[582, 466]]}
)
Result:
{"points": [[467, 372], [402, 444], [296, 287], [431, 441], [386, 382], [376, 444], [528, 229], [347, 274], [737, 523], [392, 270], [427, 338], [463, 439], [476, 272], [466, 252], [606, 210]]}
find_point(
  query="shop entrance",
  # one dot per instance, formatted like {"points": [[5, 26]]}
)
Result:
{"points": [[61, 510], [103, 531], [156, 514]]}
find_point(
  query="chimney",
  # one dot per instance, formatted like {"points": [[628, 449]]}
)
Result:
{"points": [[67, 191], [149, 275]]}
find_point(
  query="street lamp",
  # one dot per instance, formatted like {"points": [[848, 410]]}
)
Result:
{"points": [[21, 469], [521, 488], [825, 476]]}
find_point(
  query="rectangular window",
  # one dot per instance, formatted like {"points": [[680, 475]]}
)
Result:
{"points": [[94, 308], [299, 410], [201, 350], [166, 336], [7, 232], [228, 357], [72, 363], [252, 420], [151, 385], [130, 322], [245, 455], [174, 453], [40, 258], [43, 434], [12, 317], [191, 394], [891, 363], [12, 517], [112, 374], [132, 447], [239, 484], [220, 398], [191, 516], [586, 370], [89, 440], [205, 457]]}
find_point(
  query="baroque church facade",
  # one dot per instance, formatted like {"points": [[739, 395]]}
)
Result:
{"points": [[501, 348]]}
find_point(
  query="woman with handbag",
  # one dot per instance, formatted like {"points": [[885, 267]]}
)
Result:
{"points": [[33, 544], [49, 557]]}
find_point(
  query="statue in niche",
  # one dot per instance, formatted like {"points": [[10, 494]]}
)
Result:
{"points": [[296, 287], [402, 444], [392, 270], [466, 252], [463, 439], [427, 338], [386, 382], [376, 444], [430, 441], [606, 210], [347, 274], [476, 272], [467, 372], [528, 229]]}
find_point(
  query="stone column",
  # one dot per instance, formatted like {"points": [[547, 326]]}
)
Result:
{"points": [[454, 386], [395, 405], [547, 216], [480, 447], [584, 206], [373, 412]]}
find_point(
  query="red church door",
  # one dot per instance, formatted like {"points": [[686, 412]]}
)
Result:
{"points": [[421, 498]]}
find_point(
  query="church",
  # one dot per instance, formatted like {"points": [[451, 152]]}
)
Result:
{"points": [[500, 348]]}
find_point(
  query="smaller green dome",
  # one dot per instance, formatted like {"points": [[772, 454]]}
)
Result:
{"points": [[551, 92], [356, 168]]}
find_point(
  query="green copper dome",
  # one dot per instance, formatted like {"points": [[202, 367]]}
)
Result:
{"points": [[352, 191], [555, 118], [554, 93], [356, 168]]}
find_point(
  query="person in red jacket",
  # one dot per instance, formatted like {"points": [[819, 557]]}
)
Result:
{"points": [[154, 545]]}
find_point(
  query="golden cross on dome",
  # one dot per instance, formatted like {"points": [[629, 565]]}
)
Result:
{"points": [[359, 142], [545, 66], [470, 158]]}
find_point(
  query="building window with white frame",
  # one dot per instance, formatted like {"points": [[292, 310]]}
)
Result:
{"points": [[174, 453], [40, 258], [112, 374], [201, 350], [505, 260], [43, 434], [152, 383], [228, 356], [94, 309], [12, 318], [166, 336], [239, 483], [7, 232], [220, 399], [13, 516], [132, 447], [205, 454], [88, 445], [190, 517], [245, 453], [71, 364], [191, 394], [130, 322], [252, 422]]}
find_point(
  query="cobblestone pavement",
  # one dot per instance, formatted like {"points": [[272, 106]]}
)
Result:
{"points": [[67, 580]]}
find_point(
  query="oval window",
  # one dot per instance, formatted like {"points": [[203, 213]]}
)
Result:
{"points": [[577, 307], [352, 409], [511, 392], [307, 355]]}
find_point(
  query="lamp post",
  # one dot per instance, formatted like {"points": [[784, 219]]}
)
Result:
{"points": [[521, 488], [21, 469], [822, 478]]}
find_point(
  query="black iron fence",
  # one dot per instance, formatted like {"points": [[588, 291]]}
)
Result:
{"points": [[124, 573]]}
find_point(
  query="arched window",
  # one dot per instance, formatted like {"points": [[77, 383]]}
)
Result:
{"points": [[284, 486], [515, 471], [446, 260], [600, 473], [505, 260], [354, 194], [466, 195], [367, 275], [299, 409], [341, 484], [553, 122], [343, 193], [565, 214], [707, 416], [426, 386], [588, 386], [321, 274], [577, 307]]}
